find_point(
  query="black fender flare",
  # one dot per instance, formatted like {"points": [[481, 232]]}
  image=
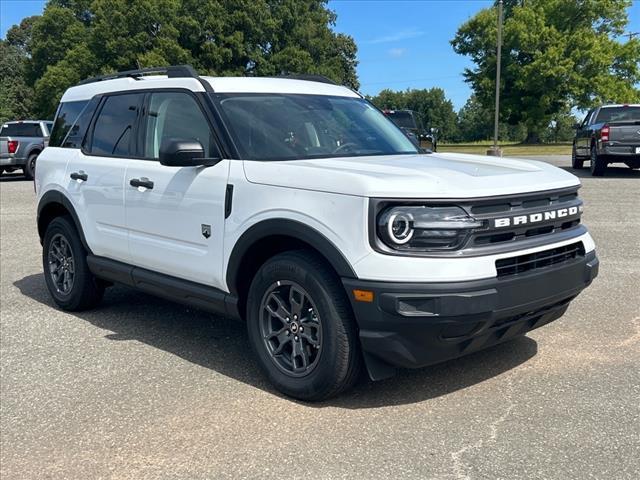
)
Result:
{"points": [[55, 197], [288, 228]]}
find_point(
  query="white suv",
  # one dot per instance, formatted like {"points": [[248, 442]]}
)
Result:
{"points": [[295, 205]]}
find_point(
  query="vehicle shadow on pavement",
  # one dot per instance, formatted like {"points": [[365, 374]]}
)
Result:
{"points": [[13, 177], [611, 172], [222, 345]]}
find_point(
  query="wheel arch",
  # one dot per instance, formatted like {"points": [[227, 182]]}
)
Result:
{"points": [[54, 204], [34, 150], [270, 237]]}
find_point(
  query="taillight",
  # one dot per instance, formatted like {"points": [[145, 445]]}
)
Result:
{"points": [[604, 133], [13, 146]]}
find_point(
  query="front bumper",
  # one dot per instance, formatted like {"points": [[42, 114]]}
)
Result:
{"points": [[412, 325]]}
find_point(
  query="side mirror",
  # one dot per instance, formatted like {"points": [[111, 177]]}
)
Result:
{"points": [[179, 152], [576, 126]]}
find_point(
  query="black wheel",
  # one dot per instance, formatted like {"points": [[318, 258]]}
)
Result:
{"points": [[598, 164], [576, 163], [30, 167], [66, 273], [301, 327]]}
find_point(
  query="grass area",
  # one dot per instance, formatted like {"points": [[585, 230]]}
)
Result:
{"points": [[508, 149]]}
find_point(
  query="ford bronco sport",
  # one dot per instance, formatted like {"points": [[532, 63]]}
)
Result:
{"points": [[298, 207]]}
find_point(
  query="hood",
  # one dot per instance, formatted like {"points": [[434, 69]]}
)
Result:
{"points": [[437, 175]]}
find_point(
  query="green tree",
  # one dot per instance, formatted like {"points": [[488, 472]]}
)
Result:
{"points": [[15, 95], [556, 54], [434, 109], [475, 122], [75, 39]]}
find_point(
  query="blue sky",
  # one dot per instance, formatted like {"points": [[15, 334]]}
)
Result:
{"points": [[401, 44]]}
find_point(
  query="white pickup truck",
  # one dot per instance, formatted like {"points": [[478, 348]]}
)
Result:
{"points": [[296, 206]]}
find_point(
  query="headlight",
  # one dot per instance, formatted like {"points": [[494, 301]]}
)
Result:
{"points": [[422, 228]]}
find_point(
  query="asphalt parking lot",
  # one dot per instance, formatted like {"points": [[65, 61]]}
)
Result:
{"points": [[142, 388]]}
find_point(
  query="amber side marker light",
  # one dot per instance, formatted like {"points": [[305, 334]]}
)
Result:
{"points": [[363, 296]]}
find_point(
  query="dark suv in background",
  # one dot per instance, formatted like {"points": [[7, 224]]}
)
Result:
{"points": [[608, 134], [410, 123]]}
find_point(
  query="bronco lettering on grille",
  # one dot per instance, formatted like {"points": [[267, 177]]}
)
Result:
{"points": [[536, 217]]}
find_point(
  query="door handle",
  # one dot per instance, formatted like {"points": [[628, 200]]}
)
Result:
{"points": [[79, 176], [141, 182]]}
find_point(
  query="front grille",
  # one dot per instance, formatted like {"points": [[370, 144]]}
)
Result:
{"points": [[533, 261], [523, 206]]}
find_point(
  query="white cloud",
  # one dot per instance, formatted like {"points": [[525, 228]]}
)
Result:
{"points": [[396, 52], [399, 35]]}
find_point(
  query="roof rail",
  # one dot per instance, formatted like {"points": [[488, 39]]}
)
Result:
{"points": [[172, 71], [309, 77]]}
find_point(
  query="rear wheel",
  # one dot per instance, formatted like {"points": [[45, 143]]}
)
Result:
{"points": [[301, 327], [576, 163], [30, 167], [598, 164], [70, 283]]}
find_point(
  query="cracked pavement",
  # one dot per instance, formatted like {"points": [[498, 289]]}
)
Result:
{"points": [[141, 388]]}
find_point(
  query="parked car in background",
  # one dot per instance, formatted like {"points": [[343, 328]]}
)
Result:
{"points": [[20, 144], [608, 134], [410, 123]]}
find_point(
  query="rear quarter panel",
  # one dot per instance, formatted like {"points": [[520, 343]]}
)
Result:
{"points": [[51, 171]]}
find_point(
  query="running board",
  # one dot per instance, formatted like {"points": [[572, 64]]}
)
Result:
{"points": [[165, 286]]}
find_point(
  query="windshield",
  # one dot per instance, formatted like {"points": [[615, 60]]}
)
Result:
{"points": [[291, 126], [618, 114]]}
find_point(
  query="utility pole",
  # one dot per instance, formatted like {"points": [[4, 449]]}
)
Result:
{"points": [[630, 34], [495, 151]]}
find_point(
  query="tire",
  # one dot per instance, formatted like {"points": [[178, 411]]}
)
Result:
{"points": [[598, 165], [576, 163], [61, 241], [30, 167], [331, 347]]}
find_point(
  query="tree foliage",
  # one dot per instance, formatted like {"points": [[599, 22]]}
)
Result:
{"points": [[75, 39], [557, 54], [434, 109]]}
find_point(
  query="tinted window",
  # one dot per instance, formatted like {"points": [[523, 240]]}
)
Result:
{"points": [[113, 130], [175, 115], [21, 130], [618, 114], [288, 126], [67, 115], [403, 119]]}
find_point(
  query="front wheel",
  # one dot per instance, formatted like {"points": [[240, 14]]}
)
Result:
{"points": [[598, 164], [301, 327], [67, 275]]}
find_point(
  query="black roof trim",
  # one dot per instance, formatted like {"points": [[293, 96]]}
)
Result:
{"points": [[172, 71]]}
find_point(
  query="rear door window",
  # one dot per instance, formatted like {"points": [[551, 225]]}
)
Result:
{"points": [[113, 132], [66, 119]]}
